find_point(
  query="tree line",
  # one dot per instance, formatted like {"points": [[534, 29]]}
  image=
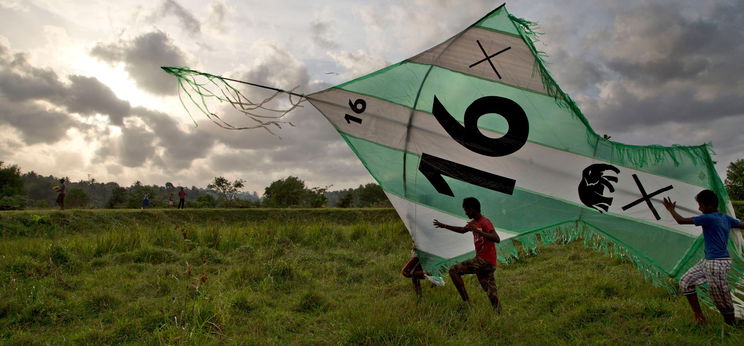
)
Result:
{"points": [[33, 191], [30, 190]]}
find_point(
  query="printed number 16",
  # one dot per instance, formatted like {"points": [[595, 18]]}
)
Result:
{"points": [[471, 137]]}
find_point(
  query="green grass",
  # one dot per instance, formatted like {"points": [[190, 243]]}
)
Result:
{"points": [[304, 277]]}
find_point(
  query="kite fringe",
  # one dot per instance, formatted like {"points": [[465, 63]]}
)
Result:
{"points": [[600, 242], [513, 249], [596, 240], [648, 155], [527, 244]]}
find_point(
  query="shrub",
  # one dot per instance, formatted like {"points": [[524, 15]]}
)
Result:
{"points": [[12, 202]]}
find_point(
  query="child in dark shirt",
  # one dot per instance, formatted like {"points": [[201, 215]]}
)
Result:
{"points": [[413, 270]]}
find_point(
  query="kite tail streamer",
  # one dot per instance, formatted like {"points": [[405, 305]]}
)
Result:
{"points": [[200, 87]]}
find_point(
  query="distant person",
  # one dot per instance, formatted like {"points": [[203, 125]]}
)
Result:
{"points": [[181, 198], [170, 200], [714, 267], [145, 201], [61, 194], [484, 263]]}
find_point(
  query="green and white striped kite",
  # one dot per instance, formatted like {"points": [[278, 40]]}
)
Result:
{"points": [[478, 115]]}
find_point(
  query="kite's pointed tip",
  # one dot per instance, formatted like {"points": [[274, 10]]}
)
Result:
{"points": [[168, 69], [174, 70]]}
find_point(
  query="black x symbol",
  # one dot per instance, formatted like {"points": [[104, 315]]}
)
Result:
{"points": [[488, 57], [646, 197]]}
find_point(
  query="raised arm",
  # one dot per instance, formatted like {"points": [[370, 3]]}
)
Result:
{"points": [[490, 236], [457, 229], [669, 205]]}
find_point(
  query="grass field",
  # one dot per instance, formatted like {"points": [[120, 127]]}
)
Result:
{"points": [[303, 277]]}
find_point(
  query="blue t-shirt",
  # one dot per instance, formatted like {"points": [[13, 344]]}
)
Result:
{"points": [[716, 227]]}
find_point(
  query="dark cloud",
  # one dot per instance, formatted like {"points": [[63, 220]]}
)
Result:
{"points": [[134, 146], [142, 58], [36, 124], [639, 64], [180, 147], [247, 162], [322, 34], [278, 68], [187, 20], [655, 44], [22, 83], [38, 104], [19, 81], [88, 96], [579, 74], [152, 137]]}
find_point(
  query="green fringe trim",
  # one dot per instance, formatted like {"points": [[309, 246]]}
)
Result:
{"points": [[508, 251], [642, 156], [592, 238]]}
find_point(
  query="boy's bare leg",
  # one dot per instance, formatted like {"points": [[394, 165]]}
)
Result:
{"points": [[489, 286], [695, 305], [459, 284], [729, 318], [417, 286]]}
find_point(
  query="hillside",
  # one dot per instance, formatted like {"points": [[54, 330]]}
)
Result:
{"points": [[303, 277]]}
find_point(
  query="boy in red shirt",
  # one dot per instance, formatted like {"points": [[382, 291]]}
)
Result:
{"points": [[484, 263]]}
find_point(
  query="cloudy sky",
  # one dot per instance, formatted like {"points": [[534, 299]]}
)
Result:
{"points": [[81, 93]]}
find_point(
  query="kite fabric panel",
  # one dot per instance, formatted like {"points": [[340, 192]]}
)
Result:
{"points": [[478, 115]]}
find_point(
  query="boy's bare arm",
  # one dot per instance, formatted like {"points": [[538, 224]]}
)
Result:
{"points": [[490, 236], [457, 229], [669, 205]]}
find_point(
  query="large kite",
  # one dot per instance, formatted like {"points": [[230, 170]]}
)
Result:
{"points": [[479, 115]]}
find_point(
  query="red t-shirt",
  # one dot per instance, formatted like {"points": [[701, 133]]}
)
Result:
{"points": [[483, 248], [182, 194]]}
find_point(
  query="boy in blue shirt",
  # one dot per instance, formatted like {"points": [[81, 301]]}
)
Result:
{"points": [[713, 269]]}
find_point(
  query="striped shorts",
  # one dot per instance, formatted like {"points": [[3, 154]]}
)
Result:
{"points": [[713, 272]]}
